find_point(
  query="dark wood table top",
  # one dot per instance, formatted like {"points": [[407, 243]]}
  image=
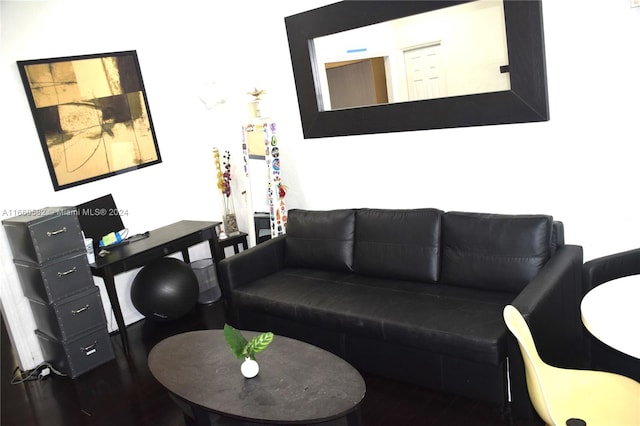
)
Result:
{"points": [[297, 382], [137, 253]]}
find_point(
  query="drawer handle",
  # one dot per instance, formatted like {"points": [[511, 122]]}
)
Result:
{"points": [[70, 271], [59, 231], [88, 350], [79, 311]]}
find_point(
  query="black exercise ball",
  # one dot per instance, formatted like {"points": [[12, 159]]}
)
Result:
{"points": [[165, 289]]}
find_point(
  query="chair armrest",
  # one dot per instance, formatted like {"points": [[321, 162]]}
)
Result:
{"points": [[611, 267], [252, 264]]}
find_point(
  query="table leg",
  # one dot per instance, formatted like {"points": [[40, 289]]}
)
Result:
{"points": [[185, 255], [201, 416], [354, 418], [245, 246], [217, 252], [110, 286], [188, 421]]}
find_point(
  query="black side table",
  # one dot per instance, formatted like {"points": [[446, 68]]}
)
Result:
{"points": [[234, 241]]}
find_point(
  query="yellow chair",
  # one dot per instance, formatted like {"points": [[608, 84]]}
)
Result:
{"points": [[559, 394]]}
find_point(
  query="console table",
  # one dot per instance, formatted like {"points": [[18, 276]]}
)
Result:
{"points": [[177, 237]]}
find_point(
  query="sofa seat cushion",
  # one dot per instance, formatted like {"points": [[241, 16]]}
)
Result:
{"points": [[461, 322], [312, 296]]}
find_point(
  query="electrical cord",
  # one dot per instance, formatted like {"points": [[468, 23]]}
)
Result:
{"points": [[41, 372]]}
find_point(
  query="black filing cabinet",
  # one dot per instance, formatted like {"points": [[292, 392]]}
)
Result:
{"points": [[52, 266]]}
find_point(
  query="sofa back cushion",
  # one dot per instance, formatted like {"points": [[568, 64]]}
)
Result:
{"points": [[320, 239], [400, 244], [491, 251]]}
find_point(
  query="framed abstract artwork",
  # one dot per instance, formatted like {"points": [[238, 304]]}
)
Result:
{"points": [[92, 116]]}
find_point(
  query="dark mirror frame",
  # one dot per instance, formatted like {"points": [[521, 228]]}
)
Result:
{"points": [[526, 101]]}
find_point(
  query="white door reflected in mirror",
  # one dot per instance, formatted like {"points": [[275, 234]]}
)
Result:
{"points": [[454, 51]]}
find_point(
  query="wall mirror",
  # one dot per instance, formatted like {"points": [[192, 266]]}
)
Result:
{"points": [[358, 70]]}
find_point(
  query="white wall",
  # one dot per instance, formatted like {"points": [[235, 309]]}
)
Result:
{"points": [[181, 50], [581, 167]]}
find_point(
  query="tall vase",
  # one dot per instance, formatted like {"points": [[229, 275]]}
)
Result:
{"points": [[229, 216]]}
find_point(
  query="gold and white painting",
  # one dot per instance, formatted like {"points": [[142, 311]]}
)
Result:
{"points": [[92, 116]]}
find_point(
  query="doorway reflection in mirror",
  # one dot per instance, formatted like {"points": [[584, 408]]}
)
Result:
{"points": [[453, 51]]}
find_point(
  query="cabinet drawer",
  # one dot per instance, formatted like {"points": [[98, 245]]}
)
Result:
{"points": [[78, 355], [45, 235], [55, 280], [69, 316]]}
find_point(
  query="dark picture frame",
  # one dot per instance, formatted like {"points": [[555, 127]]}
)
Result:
{"points": [[526, 101], [92, 116]]}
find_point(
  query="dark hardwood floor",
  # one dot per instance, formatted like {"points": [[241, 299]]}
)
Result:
{"points": [[122, 392]]}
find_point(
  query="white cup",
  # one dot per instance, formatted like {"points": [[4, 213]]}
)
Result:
{"points": [[88, 243]]}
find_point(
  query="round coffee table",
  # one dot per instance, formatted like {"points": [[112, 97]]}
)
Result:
{"points": [[610, 312], [298, 383]]}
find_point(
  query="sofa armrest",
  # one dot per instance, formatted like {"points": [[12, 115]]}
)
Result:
{"points": [[550, 304], [249, 265]]}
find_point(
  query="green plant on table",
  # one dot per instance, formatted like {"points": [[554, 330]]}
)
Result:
{"points": [[243, 348]]}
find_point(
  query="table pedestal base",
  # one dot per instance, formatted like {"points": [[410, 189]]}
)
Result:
{"points": [[194, 416]]}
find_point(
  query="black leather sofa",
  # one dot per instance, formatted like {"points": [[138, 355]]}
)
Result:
{"points": [[416, 295]]}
